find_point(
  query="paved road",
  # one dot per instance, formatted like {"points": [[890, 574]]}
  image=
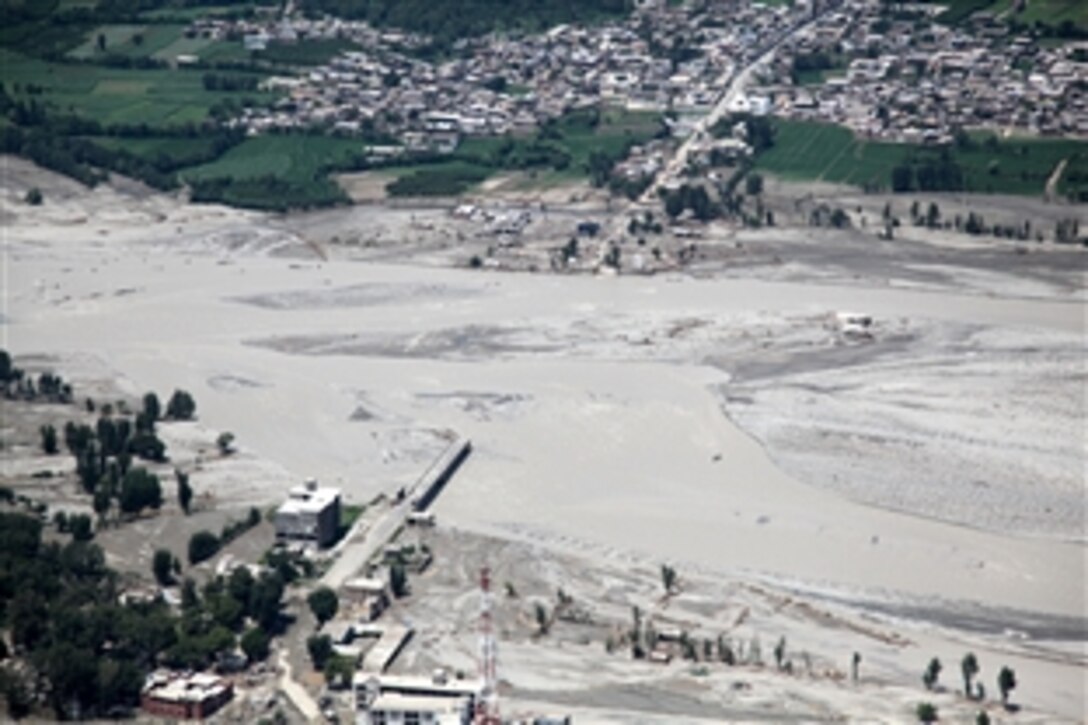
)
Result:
{"points": [[358, 551], [296, 693], [734, 88]]}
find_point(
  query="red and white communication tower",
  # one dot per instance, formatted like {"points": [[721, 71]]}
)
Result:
{"points": [[487, 709]]}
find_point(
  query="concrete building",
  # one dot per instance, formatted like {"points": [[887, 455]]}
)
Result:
{"points": [[311, 513], [184, 697], [393, 700], [418, 709], [367, 596]]}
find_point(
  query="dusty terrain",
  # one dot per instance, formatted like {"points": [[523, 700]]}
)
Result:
{"points": [[929, 477]]}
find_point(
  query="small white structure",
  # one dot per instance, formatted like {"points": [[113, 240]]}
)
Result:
{"points": [[311, 513], [369, 596]]}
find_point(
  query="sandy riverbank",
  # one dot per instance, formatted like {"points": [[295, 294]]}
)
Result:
{"points": [[608, 414]]}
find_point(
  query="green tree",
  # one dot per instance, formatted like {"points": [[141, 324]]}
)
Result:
{"points": [[320, 648], [139, 490], [926, 712], [540, 613], [181, 406], [202, 545], [152, 408], [255, 644], [49, 439], [969, 668], [33, 196], [224, 441], [89, 466], [674, 204], [185, 491], [339, 671], [982, 718], [266, 601], [102, 502], [6, 368], [753, 185], [323, 603], [162, 564], [240, 585], [81, 528], [932, 673], [668, 578], [147, 446], [780, 652], [1006, 682], [398, 580], [17, 695]]}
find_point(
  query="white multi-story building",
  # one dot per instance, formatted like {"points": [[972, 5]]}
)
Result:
{"points": [[311, 513]]}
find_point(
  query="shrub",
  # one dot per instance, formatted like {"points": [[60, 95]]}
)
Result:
{"points": [[202, 545], [161, 565], [323, 603], [181, 406]]}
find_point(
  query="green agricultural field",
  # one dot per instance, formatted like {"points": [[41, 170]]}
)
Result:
{"points": [[115, 36], [823, 152], [816, 151], [1015, 166], [180, 12], [276, 172], [181, 46], [293, 158], [1049, 12], [959, 10], [306, 52], [1074, 181], [160, 41], [119, 95]]}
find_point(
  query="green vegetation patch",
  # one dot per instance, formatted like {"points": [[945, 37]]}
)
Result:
{"points": [[960, 10], [1074, 180], [305, 52], [155, 97], [806, 150], [293, 156], [132, 41], [277, 172], [445, 179]]}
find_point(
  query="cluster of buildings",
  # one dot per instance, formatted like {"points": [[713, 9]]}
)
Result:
{"points": [[664, 57], [895, 73]]}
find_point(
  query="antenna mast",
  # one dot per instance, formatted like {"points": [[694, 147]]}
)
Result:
{"points": [[487, 709]]}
